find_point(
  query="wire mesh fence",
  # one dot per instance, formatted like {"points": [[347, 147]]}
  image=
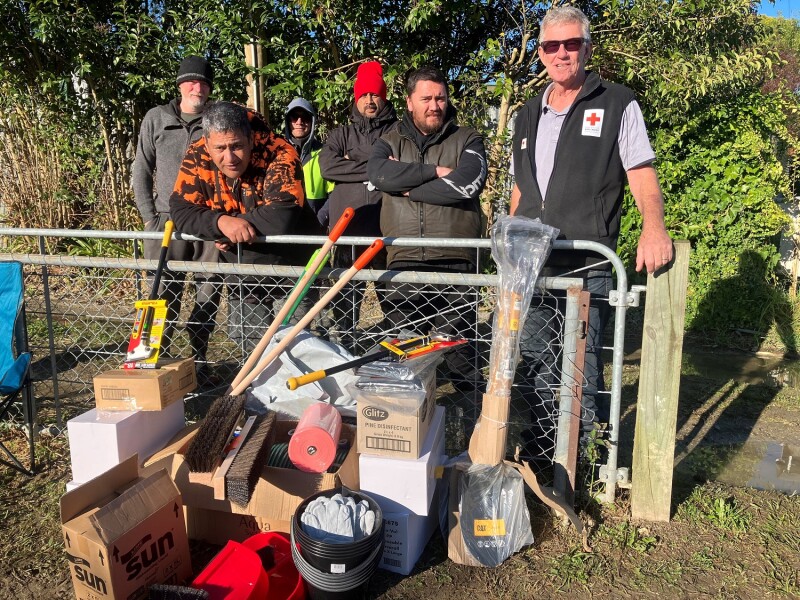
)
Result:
{"points": [[81, 310]]}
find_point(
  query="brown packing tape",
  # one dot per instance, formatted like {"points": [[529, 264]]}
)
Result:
{"points": [[456, 550], [487, 446]]}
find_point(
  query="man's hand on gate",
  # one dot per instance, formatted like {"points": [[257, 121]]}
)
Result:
{"points": [[236, 230]]}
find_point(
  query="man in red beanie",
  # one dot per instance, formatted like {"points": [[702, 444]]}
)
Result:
{"points": [[343, 160]]}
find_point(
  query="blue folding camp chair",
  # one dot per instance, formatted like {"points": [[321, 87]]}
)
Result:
{"points": [[15, 359]]}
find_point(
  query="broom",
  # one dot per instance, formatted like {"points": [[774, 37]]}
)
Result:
{"points": [[215, 433], [251, 465], [241, 476], [300, 289]]}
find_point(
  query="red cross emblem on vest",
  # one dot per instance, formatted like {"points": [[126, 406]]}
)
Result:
{"points": [[593, 122]]}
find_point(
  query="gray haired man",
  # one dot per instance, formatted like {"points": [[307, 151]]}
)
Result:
{"points": [[166, 133]]}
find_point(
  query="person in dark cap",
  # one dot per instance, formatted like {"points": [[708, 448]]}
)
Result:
{"points": [[166, 132], [343, 160]]}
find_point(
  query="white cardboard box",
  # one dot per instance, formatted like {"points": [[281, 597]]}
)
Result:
{"points": [[405, 536], [101, 439], [402, 485]]}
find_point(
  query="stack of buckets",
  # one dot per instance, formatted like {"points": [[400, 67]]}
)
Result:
{"points": [[337, 571]]}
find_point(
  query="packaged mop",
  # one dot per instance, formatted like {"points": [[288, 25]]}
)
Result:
{"points": [[520, 247]]}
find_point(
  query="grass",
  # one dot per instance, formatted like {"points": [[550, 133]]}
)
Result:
{"points": [[722, 512], [572, 568], [629, 537]]}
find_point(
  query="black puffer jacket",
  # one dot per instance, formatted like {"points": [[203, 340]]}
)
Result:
{"points": [[350, 174]]}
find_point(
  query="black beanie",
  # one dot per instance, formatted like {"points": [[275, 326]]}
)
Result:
{"points": [[195, 68]]}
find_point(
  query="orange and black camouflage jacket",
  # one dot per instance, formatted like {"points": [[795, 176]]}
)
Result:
{"points": [[269, 194]]}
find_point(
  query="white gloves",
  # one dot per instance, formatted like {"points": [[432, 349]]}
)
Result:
{"points": [[338, 519]]}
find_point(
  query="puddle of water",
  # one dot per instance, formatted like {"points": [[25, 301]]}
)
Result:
{"points": [[743, 368], [765, 466]]}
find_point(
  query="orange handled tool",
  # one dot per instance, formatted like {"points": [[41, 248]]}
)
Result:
{"points": [[299, 289], [394, 351], [362, 262]]}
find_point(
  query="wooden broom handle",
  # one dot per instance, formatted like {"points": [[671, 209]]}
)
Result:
{"points": [[362, 262], [299, 288]]}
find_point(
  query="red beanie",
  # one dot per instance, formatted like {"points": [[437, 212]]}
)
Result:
{"points": [[369, 79]]}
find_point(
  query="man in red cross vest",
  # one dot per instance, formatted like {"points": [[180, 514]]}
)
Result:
{"points": [[575, 146]]}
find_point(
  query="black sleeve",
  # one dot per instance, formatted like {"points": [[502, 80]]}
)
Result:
{"points": [[194, 219], [335, 167], [393, 176], [273, 219], [465, 182]]}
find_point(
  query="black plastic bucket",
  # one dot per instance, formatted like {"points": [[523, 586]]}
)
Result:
{"points": [[337, 571]]}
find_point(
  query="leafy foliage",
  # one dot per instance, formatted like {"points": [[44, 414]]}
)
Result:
{"points": [[698, 69], [711, 76]]}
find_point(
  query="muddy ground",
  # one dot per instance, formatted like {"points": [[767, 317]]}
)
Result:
{"points": [[726, 539]]}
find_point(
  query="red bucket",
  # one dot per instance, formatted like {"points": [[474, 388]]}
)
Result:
{"points": [[235, 573], [285, 582]]}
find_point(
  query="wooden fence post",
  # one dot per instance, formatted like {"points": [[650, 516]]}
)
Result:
{"points": [[256, 94], [659, 385]]}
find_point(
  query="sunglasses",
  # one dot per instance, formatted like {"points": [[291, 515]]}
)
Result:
{"points": [[299, 117], [571, 45]]}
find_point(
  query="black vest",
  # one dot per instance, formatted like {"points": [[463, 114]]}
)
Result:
{"points": [[400, 217], [586, 188]]}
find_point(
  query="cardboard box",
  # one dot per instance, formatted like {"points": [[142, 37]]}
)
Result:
{"points": [[123, 534], [145, 389], [277, 494], [395, 423], [400, 485], [457, 550], [100, 439], [405, 536], [216, 527]]}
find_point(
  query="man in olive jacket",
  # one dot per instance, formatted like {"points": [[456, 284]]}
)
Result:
{"points": [[431, 173]]}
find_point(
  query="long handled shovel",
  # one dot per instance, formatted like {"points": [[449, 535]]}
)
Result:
{"points": [[140, 347], [246, 378], [294, 297], [494, 519]]}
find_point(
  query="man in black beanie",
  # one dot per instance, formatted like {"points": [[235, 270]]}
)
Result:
{"points": [[165, 134]]}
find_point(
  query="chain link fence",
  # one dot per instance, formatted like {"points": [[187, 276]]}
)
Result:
{"points": [[81, 310]]}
